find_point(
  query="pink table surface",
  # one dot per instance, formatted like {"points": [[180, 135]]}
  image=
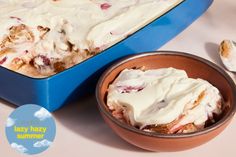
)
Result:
{"points": [[81, 130]]}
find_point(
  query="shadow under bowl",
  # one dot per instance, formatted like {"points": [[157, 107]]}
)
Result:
{"points": [[195, 67]]}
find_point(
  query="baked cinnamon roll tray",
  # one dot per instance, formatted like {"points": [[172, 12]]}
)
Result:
{"points": [[54, 91]]}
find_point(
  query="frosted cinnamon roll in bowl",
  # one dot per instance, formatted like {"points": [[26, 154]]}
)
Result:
{"points": [[163, 100], [166, 101]]}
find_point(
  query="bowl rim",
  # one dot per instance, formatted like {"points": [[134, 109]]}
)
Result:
{"points": [[101, 104]]}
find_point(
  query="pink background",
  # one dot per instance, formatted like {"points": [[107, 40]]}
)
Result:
{"points": [[81, 131]]}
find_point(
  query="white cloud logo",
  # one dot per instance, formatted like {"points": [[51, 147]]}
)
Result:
{"points": [[42, 114], [10, 122], [43, 143], [19, 148]]}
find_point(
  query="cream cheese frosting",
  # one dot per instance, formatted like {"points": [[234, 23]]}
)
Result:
{"points": [[161, 96], [66, 32], [228, 54]]}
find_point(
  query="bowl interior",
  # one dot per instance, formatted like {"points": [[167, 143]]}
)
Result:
{"points": [[194, 66]]}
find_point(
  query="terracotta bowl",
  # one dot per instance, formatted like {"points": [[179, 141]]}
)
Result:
{"points": [[196, 67]]}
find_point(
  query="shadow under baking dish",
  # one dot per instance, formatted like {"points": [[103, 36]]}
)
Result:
{"points": [[54, 91]]}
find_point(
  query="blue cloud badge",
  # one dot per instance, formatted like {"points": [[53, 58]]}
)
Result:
{"points": [[30, 129]]}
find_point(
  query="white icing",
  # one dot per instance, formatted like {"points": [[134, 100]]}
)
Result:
{"points": [[167, 94], [230, 60], [84, 23]]}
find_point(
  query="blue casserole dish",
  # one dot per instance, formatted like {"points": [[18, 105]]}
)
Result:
{"points": [[55, 91]]}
